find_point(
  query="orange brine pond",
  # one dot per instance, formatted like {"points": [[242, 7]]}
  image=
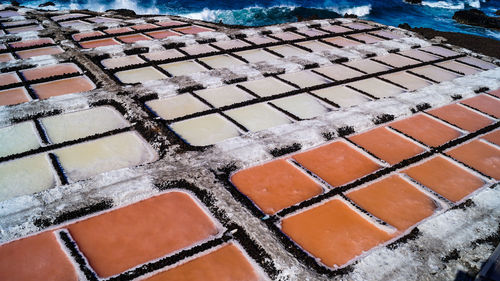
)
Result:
{"points": [[337, 163], [445, 177], [493, 137], [30, 43], [9, 78], [479, 155], [80, 36], [162, 34], [275, 185], [99, 43], [27, 28], [170, 23], [427, 130], [35, 258], [192, 29], [461, 117], [6, 57], [484, 103], [395, 201], [144, 26], [133, 38], [387, 145], [227, 263], [48, 71], [334, 232], [63, 87], [495, 93], [116, 241], [14, 96], [52, 50]]}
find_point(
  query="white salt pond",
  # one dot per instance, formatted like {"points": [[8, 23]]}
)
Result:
{"points": [[121, 61], [409, 81], [25, 176], [257, 55], [177, 106], [303, 106], [304, 79], [258, 117], [80, 124], [139, 75], [477, 62], [82, 161], [267, 87], [460, 67], [288, 51], [377, 88], [223, 96], [339, 72], [221, 61], [396, 60], [317, 46], [18, 138], [419, 55], [342, 96], [205, 130], [183, 67], [435, 73], [368, 66]]}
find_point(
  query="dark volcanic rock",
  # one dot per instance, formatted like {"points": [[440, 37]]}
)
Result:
{"points": [[405, 26], [497, 13], [46, 4], [122, 12], [413, 1], [476, 17], [350, 16], [483, 45]]}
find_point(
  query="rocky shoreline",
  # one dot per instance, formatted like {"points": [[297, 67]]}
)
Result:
{"points": [[487, 46]]}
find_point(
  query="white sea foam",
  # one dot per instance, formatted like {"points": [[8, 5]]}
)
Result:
{"points": [[358, 11], [444, 5]]}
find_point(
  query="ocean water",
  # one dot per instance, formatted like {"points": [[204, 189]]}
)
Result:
{"points": [[435, 14]]}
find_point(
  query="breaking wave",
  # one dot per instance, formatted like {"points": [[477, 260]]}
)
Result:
{"points": [[457, 5], [435, 14], [277, 14]]}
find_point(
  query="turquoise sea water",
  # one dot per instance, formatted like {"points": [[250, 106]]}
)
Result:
{"points": [[435, 14]]}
